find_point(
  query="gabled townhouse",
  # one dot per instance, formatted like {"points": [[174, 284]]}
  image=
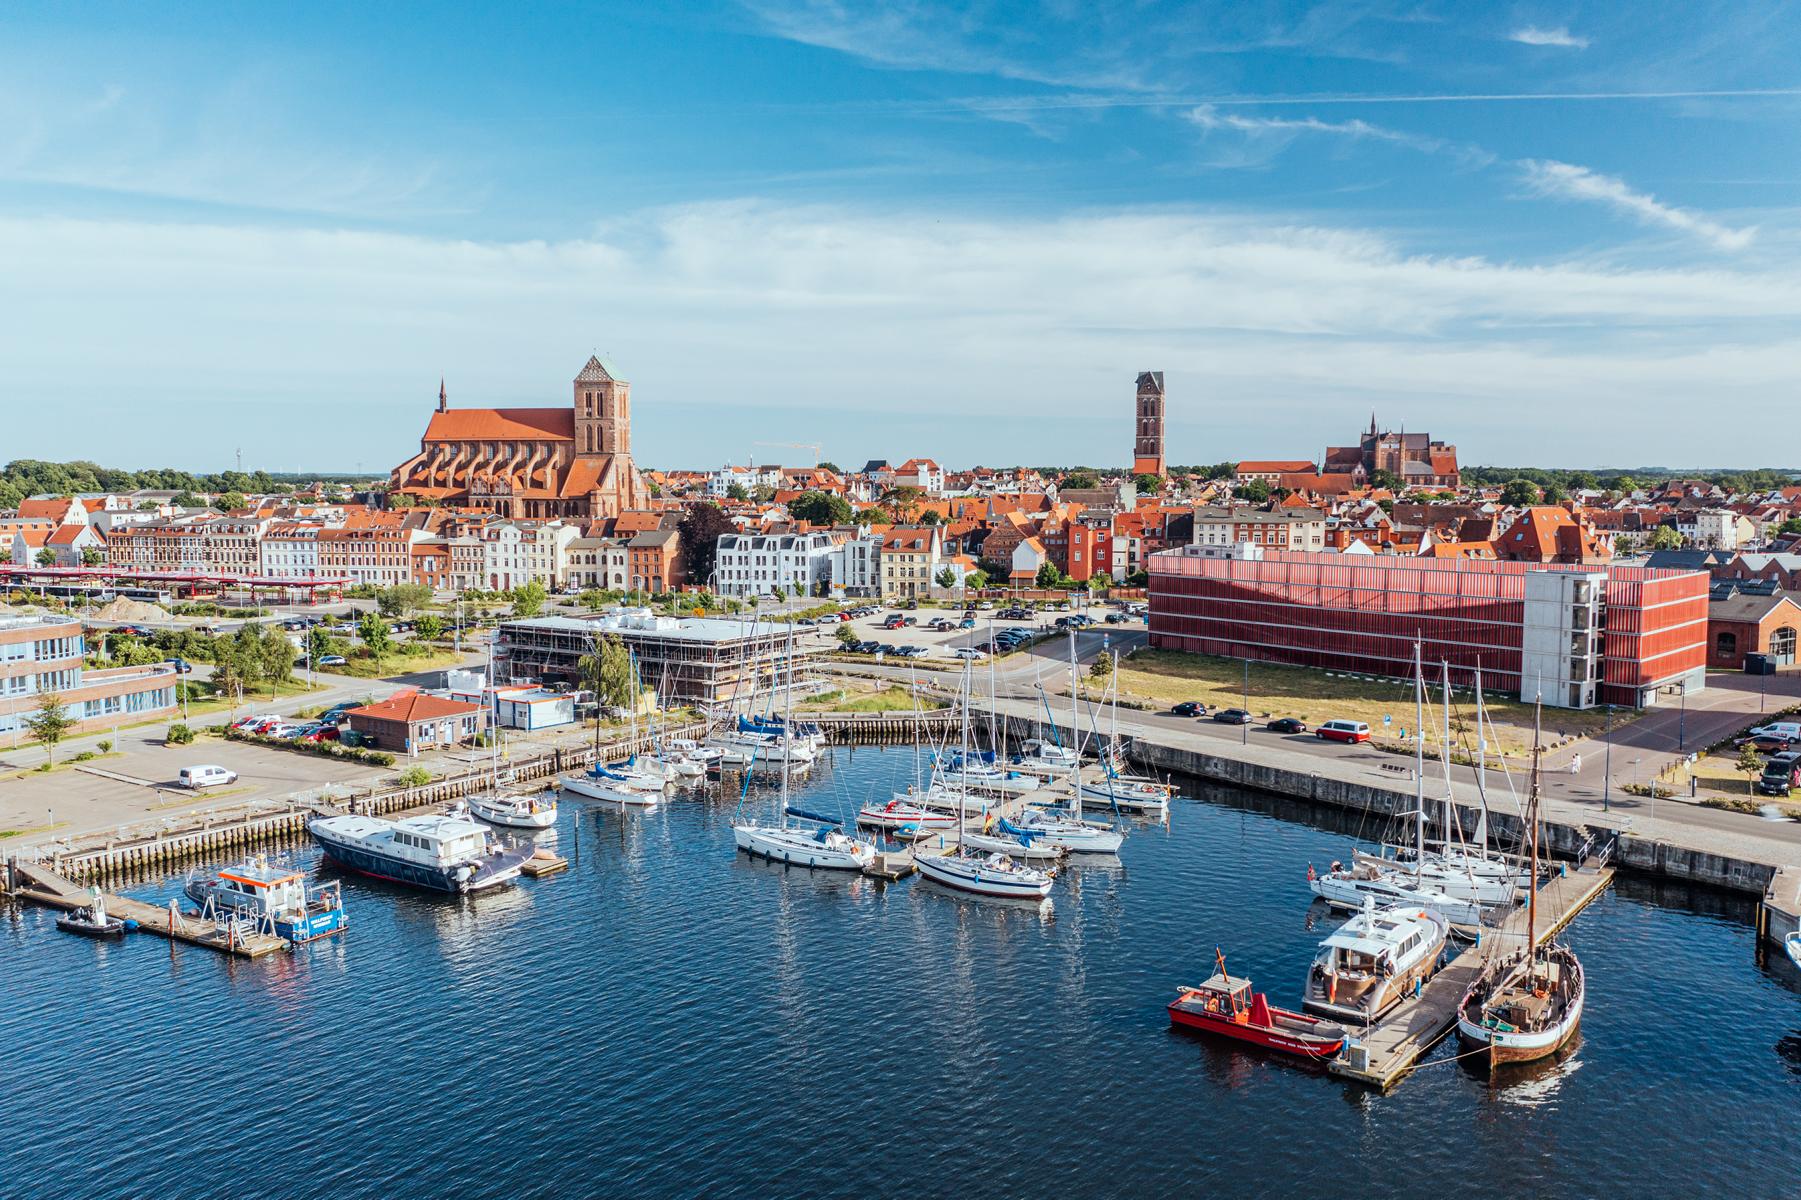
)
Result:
{"points": [[910, 557], [761, 564], [598, 562], [654, 561]]}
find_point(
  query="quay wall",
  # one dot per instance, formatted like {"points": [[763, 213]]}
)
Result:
{"points": [[1562, 840]]}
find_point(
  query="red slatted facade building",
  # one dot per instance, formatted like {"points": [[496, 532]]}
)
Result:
{"points": [[1361, 614]]}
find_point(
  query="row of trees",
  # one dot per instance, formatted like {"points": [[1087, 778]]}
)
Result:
{"points": [[31, 477]]}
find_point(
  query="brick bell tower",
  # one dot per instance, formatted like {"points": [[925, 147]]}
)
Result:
{"points": [[1147, 450], [603, 411]]}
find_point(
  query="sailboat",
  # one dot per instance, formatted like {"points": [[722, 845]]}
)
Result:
{"points": [[1351, 887], [537, 810], [1116, 789], [917, 809], [1525, 1005], [626, 783], [1463, 872], [991, 874], [1071, 831], [817, 841]]}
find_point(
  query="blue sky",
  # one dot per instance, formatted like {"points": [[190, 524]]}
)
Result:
{"points": [[1554, 233]]}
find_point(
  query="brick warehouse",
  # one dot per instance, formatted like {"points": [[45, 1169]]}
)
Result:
{"points": [[1580, 635]]}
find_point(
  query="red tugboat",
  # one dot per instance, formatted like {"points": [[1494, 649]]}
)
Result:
{"points": [[1228, 1006]]}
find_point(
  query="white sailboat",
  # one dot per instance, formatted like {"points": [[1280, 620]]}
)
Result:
{"points": [[989, 874], [1071, 831], [1116, 788], [537, 810], [627, 783], [1352, 887], [818, 842]]}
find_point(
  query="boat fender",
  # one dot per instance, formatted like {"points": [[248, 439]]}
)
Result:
{"points": [[1310, 875]]}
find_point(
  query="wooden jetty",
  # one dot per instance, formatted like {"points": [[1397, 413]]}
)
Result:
{"points": [[544, 862], [1385, 1051], [29, 881]]}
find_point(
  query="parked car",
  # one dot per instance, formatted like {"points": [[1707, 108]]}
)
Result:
{"points": [[1343, 731], [334, 716], [970, 652], [1287, 725], [207, 776], [1116, 618], [332, 660], [1772, 743], [985, 605], [1189, 708], [967, 623], [1781, 774], [182, 666], [894, 621], [1232, 716]]}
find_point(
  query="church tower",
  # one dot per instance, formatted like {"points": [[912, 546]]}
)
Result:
{"points": [[603, 411], [1147, 451]]}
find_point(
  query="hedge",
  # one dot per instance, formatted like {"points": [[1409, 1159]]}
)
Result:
{"points": [[355, 754]]}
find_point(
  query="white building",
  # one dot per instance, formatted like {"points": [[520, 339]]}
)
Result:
{"points": [[856, 565], [1715, 529], [720, 482], [921, 473], [516, 552], [599, 562], [757, 564], [289, 552]]}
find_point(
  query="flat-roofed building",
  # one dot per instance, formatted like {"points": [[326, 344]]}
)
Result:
{"points": [[694, 660]]}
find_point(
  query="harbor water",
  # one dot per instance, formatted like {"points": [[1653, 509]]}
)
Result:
{"points": [[668, 1018]]}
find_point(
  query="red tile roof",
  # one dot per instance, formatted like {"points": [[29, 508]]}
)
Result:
{"points": [[415, 707], [51, 510], [502, 424]]}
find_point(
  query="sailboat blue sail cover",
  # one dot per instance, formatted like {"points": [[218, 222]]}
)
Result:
{"points": [[1024, 835], [804, 815]]}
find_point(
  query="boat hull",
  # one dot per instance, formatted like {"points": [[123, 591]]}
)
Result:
{"points": [[1350, 894], [1188, 1011], [114, 928], [492, 872], [307, 926], [1013, 848], [1512, 1045], [798, 849], [612, 791], [540, 817], [970, 875]]}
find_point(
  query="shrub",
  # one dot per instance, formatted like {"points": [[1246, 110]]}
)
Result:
{"points": [[414, 777], [372, 758], [104, 745], [83, 756], [179, 735]]}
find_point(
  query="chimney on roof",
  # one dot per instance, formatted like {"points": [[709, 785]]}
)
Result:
{"points": [[443, 398]]}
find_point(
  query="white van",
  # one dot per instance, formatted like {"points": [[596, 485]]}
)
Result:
{"points": [[196, 778]]}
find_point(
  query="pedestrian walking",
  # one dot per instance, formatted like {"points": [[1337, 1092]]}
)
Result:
{"points": [[1575, 764]]}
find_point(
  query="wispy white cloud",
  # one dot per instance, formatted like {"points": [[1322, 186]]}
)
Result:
{"points": [[1551, 178], [1532, 35], [1286, 324]]}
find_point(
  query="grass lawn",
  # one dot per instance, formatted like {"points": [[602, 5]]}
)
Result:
{"points": [[395, 663], [890, 699], [1159, 678], [214, 704]]}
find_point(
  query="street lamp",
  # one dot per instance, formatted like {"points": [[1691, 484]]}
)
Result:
{"points": [[1607, 760]]}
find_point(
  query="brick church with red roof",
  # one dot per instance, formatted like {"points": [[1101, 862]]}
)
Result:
{"points": [[532, 462]]}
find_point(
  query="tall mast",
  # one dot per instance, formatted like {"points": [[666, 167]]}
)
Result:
{"points": [[1419, 762], [994, 704], [1481, 768], [1532, 883], [1075, 734], [1445, 759], [963, 788], [787, 724]]}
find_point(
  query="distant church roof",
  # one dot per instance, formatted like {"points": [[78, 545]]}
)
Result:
{"points": [[599, 372], [501, 424], [1150, 381]]}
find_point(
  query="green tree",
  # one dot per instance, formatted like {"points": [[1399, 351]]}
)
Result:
{"points": [[737, 491], [763, 493], [186, 499], [429, 626], [1101, 667], [1048, 575], [1148, 484], [1080, 479], [873, 516], [700, 530], [946, 578], [1749, 761], [846, 635], [1384, 479], [232, 501], [49, 724], [528, 598], [46, 557], [1792, 525], [821, 508], [976, 579], [902, 502], [230, 672], [592, 599], [833, 467], [1519, 492], [1254, 490], [1666, 538], [275, 657], [376, 636], [319, 642], [402, 599], [606, 670], [92, 556], [930, 517], [1554, 494]]}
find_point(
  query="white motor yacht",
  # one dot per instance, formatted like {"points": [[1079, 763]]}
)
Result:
{"points": [[1128, 794], [1369, 964], [537, 810], [1353, 887]]}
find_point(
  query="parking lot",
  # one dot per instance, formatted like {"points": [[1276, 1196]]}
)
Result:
{"points": [[145, 789], [940, 644]]}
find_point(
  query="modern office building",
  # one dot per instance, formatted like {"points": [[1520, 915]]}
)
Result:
{"points": [[42, 656], [1579, 636]]}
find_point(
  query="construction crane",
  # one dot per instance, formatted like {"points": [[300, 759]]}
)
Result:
{"points": [[815, 447]]}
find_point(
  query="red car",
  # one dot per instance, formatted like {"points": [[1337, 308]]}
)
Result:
{"points": [[1343, 731]]}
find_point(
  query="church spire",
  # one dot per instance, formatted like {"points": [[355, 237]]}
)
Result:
{"points": [[443, 398]]}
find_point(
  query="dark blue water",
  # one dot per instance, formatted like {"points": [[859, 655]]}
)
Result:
{"points": [[670, 1020]]}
